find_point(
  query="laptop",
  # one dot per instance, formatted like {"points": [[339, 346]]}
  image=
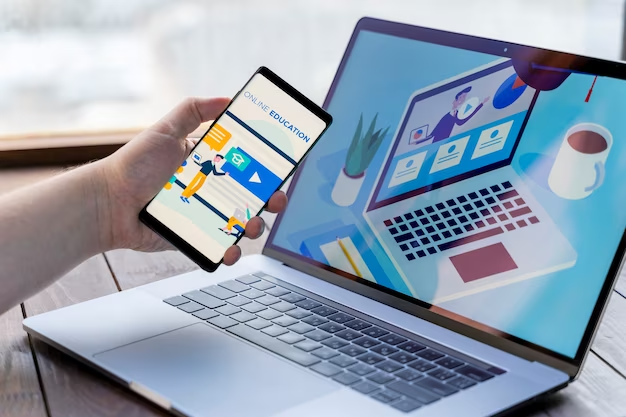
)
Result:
{"points": [[355, 306]]}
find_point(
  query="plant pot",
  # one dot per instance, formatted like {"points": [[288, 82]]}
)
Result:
{"points": [[347, 188]]}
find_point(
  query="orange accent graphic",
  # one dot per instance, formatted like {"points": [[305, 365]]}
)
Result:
{"points": [[518, 83], [217, 137]]}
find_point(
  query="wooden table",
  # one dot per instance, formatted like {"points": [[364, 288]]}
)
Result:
{"points": [[37, 380]]}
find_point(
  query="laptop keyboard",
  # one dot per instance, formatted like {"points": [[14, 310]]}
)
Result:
{"points": [[461, 220], [393, 367]]}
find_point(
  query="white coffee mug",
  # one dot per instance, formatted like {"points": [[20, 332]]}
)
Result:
{"points": [[579, 166]]}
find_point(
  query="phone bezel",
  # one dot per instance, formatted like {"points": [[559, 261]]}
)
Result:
{"points": [[190, 251]]}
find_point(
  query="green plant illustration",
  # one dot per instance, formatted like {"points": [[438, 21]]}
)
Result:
{"points": [[363, 147]]}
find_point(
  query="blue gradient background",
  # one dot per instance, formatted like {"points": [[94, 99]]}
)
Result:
{"points": [[380, 76]]}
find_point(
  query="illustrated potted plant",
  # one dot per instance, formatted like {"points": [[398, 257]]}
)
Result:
{"points": [[360, 154]]}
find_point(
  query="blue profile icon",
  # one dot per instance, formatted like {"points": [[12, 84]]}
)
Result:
{"points": [[451, 148], [409, 163], [494, 133]]}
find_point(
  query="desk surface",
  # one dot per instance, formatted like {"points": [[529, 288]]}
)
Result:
{"points": [[37, 380]]}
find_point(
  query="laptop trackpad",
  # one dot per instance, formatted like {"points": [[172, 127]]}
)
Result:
{"points": [[205, 372]]}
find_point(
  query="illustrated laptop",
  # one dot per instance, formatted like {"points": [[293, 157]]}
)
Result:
{"points": [[350, 310], [453, 206]]}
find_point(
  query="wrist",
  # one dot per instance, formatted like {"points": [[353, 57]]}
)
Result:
{"points": [[98, 190]]}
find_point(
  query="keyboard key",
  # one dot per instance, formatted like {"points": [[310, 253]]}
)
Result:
{"points": [[361, 369], [384, 350], [430, 354], [204, 299], [408, 216], [343, 361], [347, 334], [365, 387], [402, 357], [205, 314], [248, 279], [374, 332], [441, 374], [429, 210], [267, 300], [190, 307], [422, 366], [222, 322], [484, 192], [274, 345], [284, 321], [269, 314], [440, 206], [325, 353], [315, 320], [435, 386], [385, 396], [406, 405], [262, 285], [404, 237], [308, 304], [234, 286], [277, 291], [274, 330], [388, 223], [243, 316], [389, 366], [218, 292], [533, 220], [380, 378], [318, 335], [176, 301], [346, 378], [301, 328], [352, 350], [411, 346], [393, 230], [282, 306], [366, 342], [292, 298], [474, 373], [291, 338], [370, 358], [461, 382], [398, 219], [507, 185], [358, 325], [238, 301], [252, 293], [307, 345], [449, 362], [340, 318], [299, 313], [324, 311], [326, 369], [227, 310], [408, 374], [258, 323], [253, 307], [334, 343], [495, 188], [413, 392], [390, 339]]}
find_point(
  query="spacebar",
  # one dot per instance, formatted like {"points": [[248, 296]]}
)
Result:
{"points": [[273, 345]]}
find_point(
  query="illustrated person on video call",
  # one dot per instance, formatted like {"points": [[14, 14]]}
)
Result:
{"points": [[94, 208], [228, 229], [206, 168], [446, 124]]}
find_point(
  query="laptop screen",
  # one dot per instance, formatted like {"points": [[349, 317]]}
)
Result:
{"points": [[485, 188]]}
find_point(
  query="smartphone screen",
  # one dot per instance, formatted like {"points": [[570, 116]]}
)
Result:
{"points": [[242, 159]]}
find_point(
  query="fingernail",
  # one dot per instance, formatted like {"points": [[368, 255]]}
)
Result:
{"points": [[262, 228]]}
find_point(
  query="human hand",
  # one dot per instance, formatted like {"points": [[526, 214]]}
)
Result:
{"points": [[137, 172]]}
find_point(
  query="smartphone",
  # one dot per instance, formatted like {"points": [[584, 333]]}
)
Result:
{"points": [[247, 154]]}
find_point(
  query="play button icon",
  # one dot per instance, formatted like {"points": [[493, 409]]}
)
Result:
{"points": [[255, 178], [468, 108]]}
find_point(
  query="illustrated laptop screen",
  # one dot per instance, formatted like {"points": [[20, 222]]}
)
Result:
{"points": [[511, 232]]}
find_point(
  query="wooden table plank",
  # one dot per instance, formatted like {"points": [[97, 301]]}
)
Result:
{"points": [[621, 284], [72, 389], [20, 393], [610, 342]]}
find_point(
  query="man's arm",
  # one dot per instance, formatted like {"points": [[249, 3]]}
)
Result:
{"points": [[49, 228]]}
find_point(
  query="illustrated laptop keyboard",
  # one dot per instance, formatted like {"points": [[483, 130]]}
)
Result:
{"points": [[461, 220], [374, 358]]}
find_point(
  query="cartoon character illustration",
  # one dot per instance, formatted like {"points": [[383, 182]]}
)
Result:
{"points": [[449, 120], [181, 168], [206, 168], [238, 222]]}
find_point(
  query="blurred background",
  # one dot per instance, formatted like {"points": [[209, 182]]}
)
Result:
{"points": [[110, 65]]}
